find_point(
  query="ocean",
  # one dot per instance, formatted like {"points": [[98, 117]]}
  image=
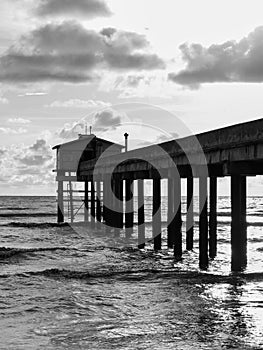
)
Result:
{"points": [[71, 287]]}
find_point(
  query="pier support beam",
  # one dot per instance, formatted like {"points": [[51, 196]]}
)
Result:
{"points": [[129, 207], [190, 214], [92, 205], [141, 218], [86, 201], [106, 203], [203, 223], [170, 216], [98, 203], [177, 225], [157, 229], [213, 218], [238, 225], [115, 213], [60, 203]]}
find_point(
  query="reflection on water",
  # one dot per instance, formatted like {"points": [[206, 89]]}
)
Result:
{"points": [[239, 306]]}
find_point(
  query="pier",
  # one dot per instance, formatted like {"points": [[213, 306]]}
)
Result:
{"points": [[109, 175]]}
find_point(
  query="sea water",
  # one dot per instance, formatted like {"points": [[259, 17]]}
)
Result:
{"points": [[71, 287]]}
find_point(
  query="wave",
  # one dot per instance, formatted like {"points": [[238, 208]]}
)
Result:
{"points": [[10, 215], [144, 274], [6, 253], [15, 209], [35, 224]]}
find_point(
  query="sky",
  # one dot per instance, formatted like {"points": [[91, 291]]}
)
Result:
{"points": [[155, 69]]}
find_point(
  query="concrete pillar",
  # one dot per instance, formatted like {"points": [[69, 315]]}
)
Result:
{"points": [[170, 216], [141, 218], [120, 185], [238, 225], [129, 207], [71, 202], [177, 226], [86, 201], [115, 214], [106, 203], [213, 218], [203, 223], [98, 203], [157, 232], [190, 214], [60, 203], [92, 205]]}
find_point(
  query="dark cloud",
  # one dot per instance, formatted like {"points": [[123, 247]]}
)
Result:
{"points": [[105, 120], [68, 52], [232, 61], [84, 8]]}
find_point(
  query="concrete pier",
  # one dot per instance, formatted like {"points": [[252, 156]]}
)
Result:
{"points": [[235, 152]]}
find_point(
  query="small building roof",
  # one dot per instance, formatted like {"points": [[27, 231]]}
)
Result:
{"points": [[87, 138]]}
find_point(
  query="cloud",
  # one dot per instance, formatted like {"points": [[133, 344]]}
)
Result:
{"points": [[84, 8], [77, 103], [33, 94], [105, 120], [18, 121], [232, 61], [70, 131], [9, 131], [68, 52], [27, 164]]}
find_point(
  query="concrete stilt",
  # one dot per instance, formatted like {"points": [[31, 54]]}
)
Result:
{"points": [[203, 223], [92, 205], [238, 225], [157, 232], [86, 201], [98, 203], [170, 216], [60, 203], [213, 218], [190, 214], [129, 207], [141, 218], [177, 226]]}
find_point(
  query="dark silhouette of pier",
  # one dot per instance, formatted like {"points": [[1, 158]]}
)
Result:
{"points": [[108, 173]]}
